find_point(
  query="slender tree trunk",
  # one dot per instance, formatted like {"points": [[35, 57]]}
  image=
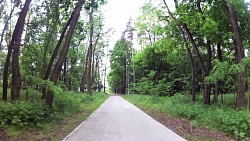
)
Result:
{"points": [[85, 66], [218, 83], [240, 99], [194, 84], [94, 67], [5, 27], [15, 45], [54, 54], [48, 44], [207, 87], [89, 80], [195, 49], [58, 66], [93, 70], [192, 66]]}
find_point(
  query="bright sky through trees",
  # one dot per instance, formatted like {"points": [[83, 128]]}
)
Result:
{"points": [[117, 13]]}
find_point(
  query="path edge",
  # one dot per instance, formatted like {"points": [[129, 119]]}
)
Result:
{"points": [[72, 132]]}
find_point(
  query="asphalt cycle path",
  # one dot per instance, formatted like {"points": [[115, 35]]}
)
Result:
{"points": [[118, 120]]}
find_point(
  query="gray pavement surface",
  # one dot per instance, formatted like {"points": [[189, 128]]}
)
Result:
{"points": [[119, 120]]}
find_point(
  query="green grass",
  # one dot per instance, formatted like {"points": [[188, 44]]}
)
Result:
{"points": [[220, 117]]}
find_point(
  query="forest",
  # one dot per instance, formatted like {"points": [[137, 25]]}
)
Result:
{"points": [[190, 60], [51, 63]]}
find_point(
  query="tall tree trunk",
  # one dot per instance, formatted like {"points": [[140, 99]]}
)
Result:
{"points": [[93, 70], [192, 66], [58, 66], [240, 99], [190, 37], [218, 83], [15, 45], [89, 79], [50, 40], [205, 71], [193, 74], [95, 61], [85, 66], [54, 54], [207, 87]]}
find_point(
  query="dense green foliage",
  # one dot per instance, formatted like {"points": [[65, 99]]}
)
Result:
{"points": [[35, 114], [187, 47], [221, 118]]}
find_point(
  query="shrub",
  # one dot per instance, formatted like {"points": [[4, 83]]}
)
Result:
{"points": [[32, 113], [22, 113]]}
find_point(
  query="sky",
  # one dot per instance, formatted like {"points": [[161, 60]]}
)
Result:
{"points": [[117, 14]]}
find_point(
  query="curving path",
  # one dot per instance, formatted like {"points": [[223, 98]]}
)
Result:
{"points": [[119, 120]]}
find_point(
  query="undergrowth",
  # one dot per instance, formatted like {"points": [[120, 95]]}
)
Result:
{"points": [[223, 118], [32, 112]]}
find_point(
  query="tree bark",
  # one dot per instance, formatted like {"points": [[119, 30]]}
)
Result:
{"points": [[205, 71], [15, 46], [218, 84], [85, 66], [89, 79], [57, 69], [193, 74], [55, 52], [240, 99], [207, 87]]}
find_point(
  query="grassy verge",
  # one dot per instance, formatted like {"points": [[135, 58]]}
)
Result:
{"points": [[219, 118], [70, 109]]}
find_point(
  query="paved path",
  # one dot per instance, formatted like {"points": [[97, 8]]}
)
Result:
{"points": [[119, 120]]}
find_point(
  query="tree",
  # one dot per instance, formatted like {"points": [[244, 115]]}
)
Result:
{"points": [[59, 63], [240, 101], [15, 46], [90, 49]]}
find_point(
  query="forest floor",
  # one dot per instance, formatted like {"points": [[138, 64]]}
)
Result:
{"points": [[185, 129]]}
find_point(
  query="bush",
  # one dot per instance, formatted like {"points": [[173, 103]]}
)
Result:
{"points": [[22, 113], [32, 113]]}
